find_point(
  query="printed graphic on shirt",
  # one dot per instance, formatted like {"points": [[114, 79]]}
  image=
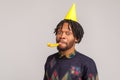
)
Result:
{"points": [[73, 73], [52, 63]]}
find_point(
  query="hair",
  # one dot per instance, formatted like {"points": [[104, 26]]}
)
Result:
{"points": [[75, 26]]}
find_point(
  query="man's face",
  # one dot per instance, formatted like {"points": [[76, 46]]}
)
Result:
{"points": [[65, 38]]}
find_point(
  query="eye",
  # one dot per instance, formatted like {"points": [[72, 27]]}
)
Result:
{"points": [[68, 33], [59, 33]]}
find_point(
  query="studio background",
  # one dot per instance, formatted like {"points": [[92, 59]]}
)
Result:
{"points": [[26, 26]]}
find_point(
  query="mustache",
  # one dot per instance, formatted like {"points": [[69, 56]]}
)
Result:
{"points": [[62, 41]]}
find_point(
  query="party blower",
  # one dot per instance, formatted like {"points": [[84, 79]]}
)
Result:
{"points": [[52, 45]]}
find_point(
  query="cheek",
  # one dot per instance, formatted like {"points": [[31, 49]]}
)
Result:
{"points": [[72, 39], [57, 38]]}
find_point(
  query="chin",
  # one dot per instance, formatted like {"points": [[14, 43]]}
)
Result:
{"points": [[62, 48]]}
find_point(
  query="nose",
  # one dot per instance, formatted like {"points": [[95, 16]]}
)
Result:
{"points": [[63, 35]]}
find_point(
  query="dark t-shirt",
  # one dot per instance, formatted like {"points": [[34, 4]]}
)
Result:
{"points": [[76, 67]]}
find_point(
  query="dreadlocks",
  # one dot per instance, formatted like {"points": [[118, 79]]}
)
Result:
{"points": [[75, 26]]}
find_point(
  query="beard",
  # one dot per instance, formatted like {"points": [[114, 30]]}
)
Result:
{"points": [[67, 46]]}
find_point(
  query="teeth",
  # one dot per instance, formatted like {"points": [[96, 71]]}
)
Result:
{"points": [[52, 45]]}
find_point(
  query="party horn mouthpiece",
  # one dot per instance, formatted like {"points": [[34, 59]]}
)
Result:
{"points": [[52, 45]]}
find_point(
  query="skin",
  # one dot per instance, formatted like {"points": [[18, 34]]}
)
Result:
{"points": [[66, 40]]}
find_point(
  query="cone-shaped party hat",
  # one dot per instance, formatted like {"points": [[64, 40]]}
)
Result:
{"points": [[71, 15]]}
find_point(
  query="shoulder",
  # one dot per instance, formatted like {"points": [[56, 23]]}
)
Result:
{"points": [[49, 58], [52, 56], [89, 66], [87, 62], [84, 59]]}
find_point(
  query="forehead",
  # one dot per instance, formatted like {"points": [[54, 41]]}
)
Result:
{"points": [[65, 26]]}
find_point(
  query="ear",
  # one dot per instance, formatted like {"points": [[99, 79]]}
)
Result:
{"points": [[76, 40]]}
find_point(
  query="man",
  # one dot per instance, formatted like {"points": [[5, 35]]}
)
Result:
{"points": [[68, 63]]}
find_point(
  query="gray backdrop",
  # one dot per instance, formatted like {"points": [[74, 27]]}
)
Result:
{"points": [[26, 26]]}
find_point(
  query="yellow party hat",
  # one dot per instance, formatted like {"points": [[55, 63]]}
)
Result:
{"points": [[71, 15]]}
